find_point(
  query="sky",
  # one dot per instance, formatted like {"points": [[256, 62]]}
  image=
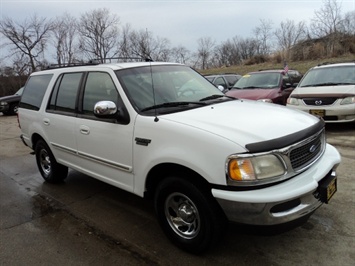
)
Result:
{"points": [[182, 22]]}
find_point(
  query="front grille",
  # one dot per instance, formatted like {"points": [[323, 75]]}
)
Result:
{"points": [[319, 101], [304, 154]]}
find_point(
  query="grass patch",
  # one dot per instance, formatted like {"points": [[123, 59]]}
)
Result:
{"points": [[301, 66]]}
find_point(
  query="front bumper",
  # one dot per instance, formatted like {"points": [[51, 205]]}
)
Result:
{"points": [[333, 114], [4, 108], [282, 203]]}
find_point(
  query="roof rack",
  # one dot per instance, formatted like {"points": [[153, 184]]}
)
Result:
{"points": [[336, 62], [63, 65], [98, 61], [124, 59]]}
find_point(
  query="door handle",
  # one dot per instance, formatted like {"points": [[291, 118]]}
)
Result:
{"points": [[84, 130], [46, 121]]}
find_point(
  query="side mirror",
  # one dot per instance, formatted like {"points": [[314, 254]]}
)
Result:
{"points": [[105, 109], [220, 87]]}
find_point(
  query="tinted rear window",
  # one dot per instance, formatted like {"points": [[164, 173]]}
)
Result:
{"points": [[34, 91]]}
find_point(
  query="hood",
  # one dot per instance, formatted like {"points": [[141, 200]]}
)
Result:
{"points": [[248, 122], [10, 97], [253, 94], [325, 91]]}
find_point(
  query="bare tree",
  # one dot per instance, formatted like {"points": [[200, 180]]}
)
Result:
{"points": [[263, 34], [99, 34], [227, 53], [65, 33], [144, 45], [289, 34], [348, 23], [162, 51], [247, 48], [327, 20], [29, 38], [326, 24], [180, 54], [204, 51], [125, 49]]}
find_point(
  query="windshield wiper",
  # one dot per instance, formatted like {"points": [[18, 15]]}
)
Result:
{"points": [[250, 87], [324, 84], [170, 104], [212, 97]]}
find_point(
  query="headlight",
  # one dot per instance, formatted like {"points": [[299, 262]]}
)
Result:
{"points": [[3, 103], [348, 100], [265, 100], [254, 170], [292, 101]]}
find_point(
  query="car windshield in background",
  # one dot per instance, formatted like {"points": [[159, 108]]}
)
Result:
{"points": [[264, 80], [165, 86], [19, 92], [232, 79], [329, 76]]}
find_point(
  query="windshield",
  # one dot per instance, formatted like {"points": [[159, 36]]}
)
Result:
{"points": [[265, 80], [171, 83], [332, 76]]}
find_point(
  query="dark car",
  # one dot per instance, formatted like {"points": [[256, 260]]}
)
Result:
{"points": [[273, 86], [225, 80], [295, 76], [9, 104]]}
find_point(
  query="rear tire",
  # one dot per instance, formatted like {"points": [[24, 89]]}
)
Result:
{"points": [[189, 216], [50, 170]]}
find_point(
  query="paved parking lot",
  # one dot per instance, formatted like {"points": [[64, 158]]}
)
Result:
{"points": [[86, 222]]}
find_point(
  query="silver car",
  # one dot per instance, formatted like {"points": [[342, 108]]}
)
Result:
{"points": [[327, 91]]}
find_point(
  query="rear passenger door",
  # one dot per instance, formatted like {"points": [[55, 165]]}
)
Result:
{"points": [[59, 119], [104, 145]]}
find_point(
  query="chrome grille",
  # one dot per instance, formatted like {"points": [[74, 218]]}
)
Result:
{"points": [[304, 154], [319, 101]]}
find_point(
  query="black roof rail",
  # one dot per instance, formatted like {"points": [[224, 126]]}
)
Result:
{"points": [[97, 61], [126, 59], [63, 65]]}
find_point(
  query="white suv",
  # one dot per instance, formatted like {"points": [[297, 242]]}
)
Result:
{"points": [[163, 131], [327, 91]]}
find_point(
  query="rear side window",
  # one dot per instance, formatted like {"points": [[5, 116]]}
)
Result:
{"points": [[65, 92], [34, 91]]}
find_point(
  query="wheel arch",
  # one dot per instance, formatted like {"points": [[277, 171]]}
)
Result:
{"points": [[163, 170], [35, 138]]}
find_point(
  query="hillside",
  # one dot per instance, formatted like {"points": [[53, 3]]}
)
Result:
{"points": [[301, 66]]}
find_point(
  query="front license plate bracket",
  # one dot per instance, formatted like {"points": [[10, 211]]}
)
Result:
{"points": [[317, 112], [327, 188]]}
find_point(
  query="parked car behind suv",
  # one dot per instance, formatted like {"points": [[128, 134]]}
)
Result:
{"points": [[272, 86], [295, 76], [327, 91], [160, 130], [9, 104], [224, 80]]}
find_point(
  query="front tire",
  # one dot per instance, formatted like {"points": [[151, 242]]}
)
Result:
{"points": [[13, 108], [50, 170], [188, 215]]}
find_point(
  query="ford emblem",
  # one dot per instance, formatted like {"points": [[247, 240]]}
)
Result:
{"points": [[312, 148]]}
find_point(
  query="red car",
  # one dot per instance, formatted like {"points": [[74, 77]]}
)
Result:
{"points": [[273, 86]]}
